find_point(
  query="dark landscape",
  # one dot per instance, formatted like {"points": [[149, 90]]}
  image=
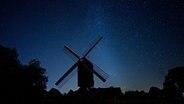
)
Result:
{"points": [[27, 84]]}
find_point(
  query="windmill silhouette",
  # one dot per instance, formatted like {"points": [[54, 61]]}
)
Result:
{"points": [[86, 68]]}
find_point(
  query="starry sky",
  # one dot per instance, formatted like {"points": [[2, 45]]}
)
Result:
{"points": [[142, 38]]}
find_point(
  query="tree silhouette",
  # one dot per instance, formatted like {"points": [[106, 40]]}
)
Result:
{"points": [[11, 77], [174, 82], [37, 74], [20, 83], [36, 80]]}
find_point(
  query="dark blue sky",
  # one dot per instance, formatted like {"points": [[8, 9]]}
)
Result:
{"points": [[142, 38]]}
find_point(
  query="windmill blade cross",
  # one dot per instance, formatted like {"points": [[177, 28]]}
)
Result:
{"points": [[93, 45], [66, 74]]}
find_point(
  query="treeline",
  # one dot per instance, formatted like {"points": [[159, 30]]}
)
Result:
{"points": [[27, 84], [20, 83]]}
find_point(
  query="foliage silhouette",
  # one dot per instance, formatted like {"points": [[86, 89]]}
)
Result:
{"points": [[20, 83], [36, 81], [174, 82]]}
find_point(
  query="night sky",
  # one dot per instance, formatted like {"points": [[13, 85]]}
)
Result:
{"points": [[142, 38]]}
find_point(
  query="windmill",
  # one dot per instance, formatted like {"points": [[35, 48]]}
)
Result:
{"points": [[85, 68]]}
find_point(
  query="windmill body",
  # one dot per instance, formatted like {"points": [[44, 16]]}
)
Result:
{"points": [[85, 70], [85, 76]]}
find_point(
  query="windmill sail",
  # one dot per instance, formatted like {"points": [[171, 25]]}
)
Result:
{"points": [[72, 52], [67, 78], [100, 71], [66, 74], [92, 46], [75, 56], [96, 73]]}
